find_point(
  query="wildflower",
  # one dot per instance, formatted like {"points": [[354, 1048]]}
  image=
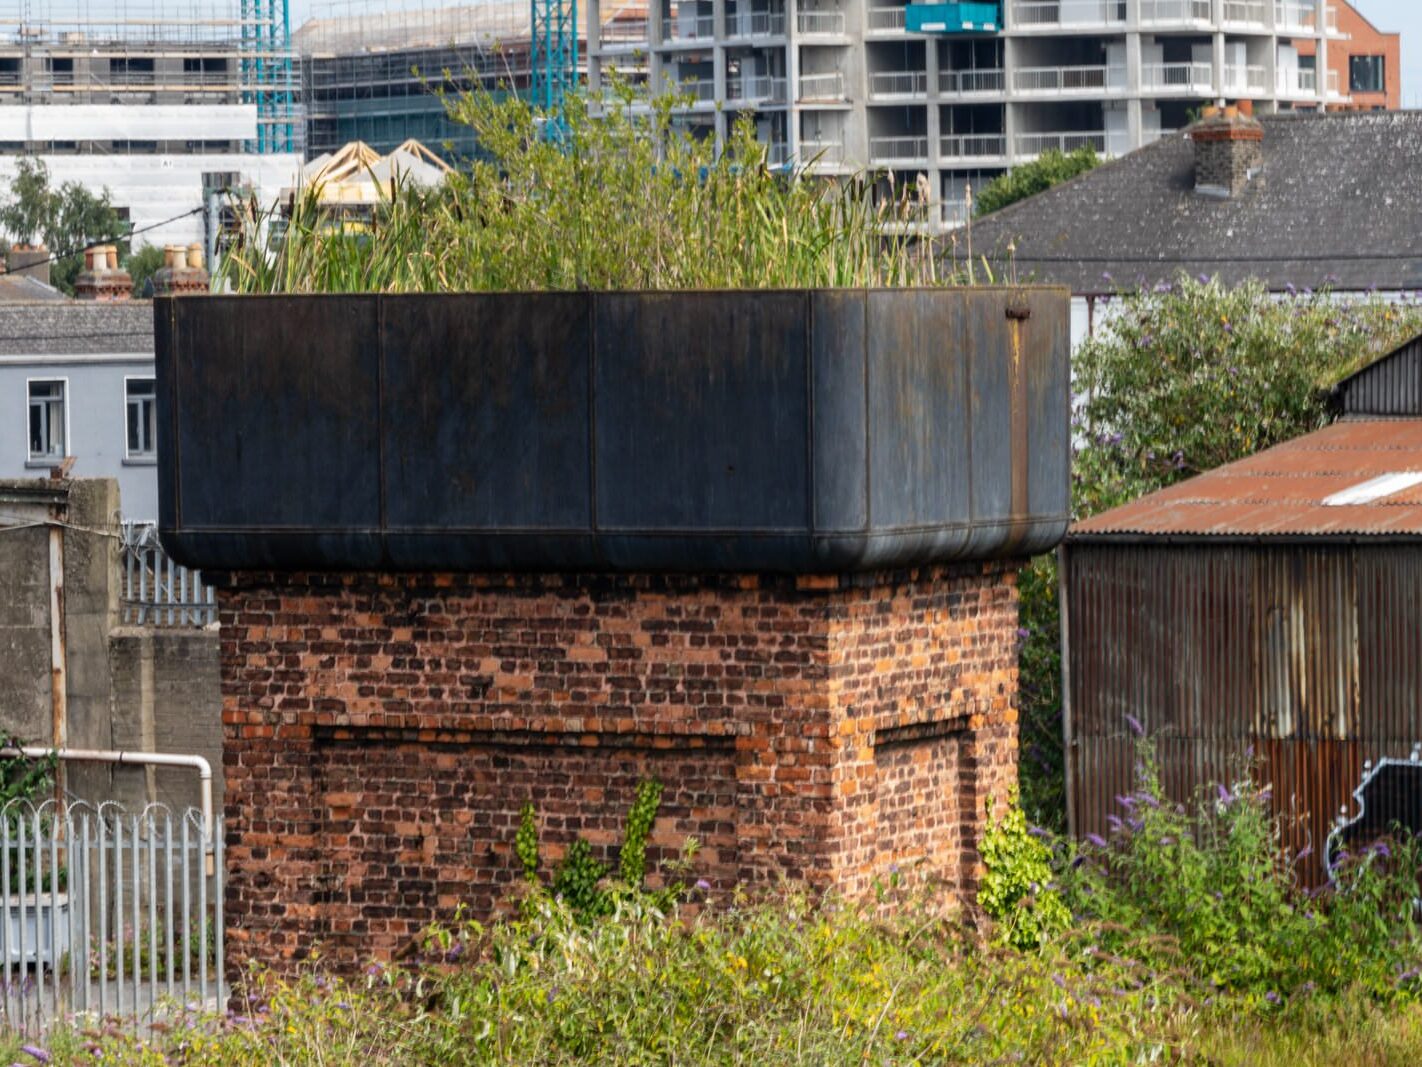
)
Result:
{"points": [[1097, 840], [1304, 853], [1115, 822], [1135, 725], [902, 1035], [1203, 279], [1271, 997], [1225, 797], [35, 1051], [702, 884]]}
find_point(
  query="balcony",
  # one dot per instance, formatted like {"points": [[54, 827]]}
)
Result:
{"points": [[1175, 12], [1064, 80], [1032, 145], [756, 89], [755, 24], [886, 20], [898, 85], [960, 147], [953, 213], [1186, 79], [971, 82], [823, 88], [820, 23], [1251, 13], [622, 34], [684, 30], [900, 149], [699, 90], [1295, 81], [1245, 81], [822, 153], [1053, 14], [1299, 16]]}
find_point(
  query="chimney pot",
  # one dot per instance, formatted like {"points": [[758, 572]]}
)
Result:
{"points": [[195, 256]]}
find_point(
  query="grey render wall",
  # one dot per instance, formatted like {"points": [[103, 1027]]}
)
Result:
{"points": [[128, 687], [96, 409]]}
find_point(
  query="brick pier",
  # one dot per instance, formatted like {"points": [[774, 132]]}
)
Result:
{"points": [[383, 731]]}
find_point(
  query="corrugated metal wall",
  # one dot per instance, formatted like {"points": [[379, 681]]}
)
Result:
{"points": [[1308, 655], [1391, 386]]}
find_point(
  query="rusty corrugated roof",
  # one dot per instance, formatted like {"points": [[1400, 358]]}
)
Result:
{"points": [[1281, 492]]}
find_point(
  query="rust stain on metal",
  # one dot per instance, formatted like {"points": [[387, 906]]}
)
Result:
{"points": [[1281, 492]]}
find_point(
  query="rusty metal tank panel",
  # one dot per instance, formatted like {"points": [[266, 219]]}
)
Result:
{"points": [[792, 431]]}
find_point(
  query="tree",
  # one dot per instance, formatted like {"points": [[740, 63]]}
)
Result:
{"points": [[142, 265], [1049, 169], [67, 219]]}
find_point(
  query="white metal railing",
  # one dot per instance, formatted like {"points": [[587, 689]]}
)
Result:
{"points": [[973, 146], [1251, 79], [954, 213], [777, 153], [695, 29], [756, 24], [621, 32], [1059, 79], [760, 88], [886, 18], [1156, 11], [1198, 78], [812, 152], [1247, 12], [1069, 12], [1292, 15], [964, 82], [109, 913], [1332, 84], [1034, 144], [905, 147], [899, 83], [1295, 81], [822, 86], [157, 591], [812, 21]]}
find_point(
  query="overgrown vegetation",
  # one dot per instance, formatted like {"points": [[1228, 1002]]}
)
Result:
{"points": [[1178, 380], [620, 201], [1051, 168]]}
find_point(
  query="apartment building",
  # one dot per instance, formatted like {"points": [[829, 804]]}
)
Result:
{"points": [[958, 92], [159, 101]]}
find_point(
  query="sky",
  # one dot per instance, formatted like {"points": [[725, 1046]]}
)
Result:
{"points": [[1388, 15]]}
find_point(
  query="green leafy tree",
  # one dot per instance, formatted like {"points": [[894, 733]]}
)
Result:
{"points": [[141, 265], [67, 218], [1049, 169]]}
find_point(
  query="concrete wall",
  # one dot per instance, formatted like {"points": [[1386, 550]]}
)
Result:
{"points": [[127, 687], [96, 410]]}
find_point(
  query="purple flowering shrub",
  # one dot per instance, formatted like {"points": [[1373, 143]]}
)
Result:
{"points": [[1212, 887]]}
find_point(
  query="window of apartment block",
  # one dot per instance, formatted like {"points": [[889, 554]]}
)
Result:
{"points": [[48, 421], [142, 417], [1365, 74]]}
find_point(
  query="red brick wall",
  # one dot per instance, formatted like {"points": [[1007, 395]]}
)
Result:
{"points": [[1361, 38], [382, 733]]}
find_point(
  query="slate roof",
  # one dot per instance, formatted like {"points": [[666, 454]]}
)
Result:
{"points": [[1281, 492], [75, 327], [1339, 202]]}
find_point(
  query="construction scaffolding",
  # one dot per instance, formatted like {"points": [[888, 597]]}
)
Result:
{"points": [[155, 52]]}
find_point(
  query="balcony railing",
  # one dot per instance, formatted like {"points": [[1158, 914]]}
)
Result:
{"points": [[1239, 80], [756, 89], [1296, 81], [1194, 78], [824, 22], [701, 28], [777, 153], [973, 146], [1175, 11], [1246, 12], [756, 24], [1034, 144], [954, 213], [1045, 13], [884, 149], [966, 82], [1060, 79], [827, 87], [620, 33], [886, 18], [822, 152], [701, 90], [907, 83], [1332, 84], [1302, 17]]}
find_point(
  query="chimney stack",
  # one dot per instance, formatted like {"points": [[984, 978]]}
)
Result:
{"points": [[182, 271], [101, 279], [29, 260], [1229, 152]]}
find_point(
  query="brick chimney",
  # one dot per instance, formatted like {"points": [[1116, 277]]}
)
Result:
{"points": [[1229, 152], [182, 271], [101, 279], [29, 260]]}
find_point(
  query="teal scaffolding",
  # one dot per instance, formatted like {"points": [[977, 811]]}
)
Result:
{"points": [[268, 73], [553, 53]]}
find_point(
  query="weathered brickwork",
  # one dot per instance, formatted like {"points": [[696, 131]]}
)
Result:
{"points": [[382, 732]]}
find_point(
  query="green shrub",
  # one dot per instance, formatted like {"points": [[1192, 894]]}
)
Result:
{"points": [[1016, 891], [1051, 168]]}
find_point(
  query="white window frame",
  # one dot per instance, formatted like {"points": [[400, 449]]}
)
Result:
{"points": [[32, 460], [140, 457]]}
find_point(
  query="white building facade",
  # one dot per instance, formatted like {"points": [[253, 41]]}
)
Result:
{"points": [[960, 92]]}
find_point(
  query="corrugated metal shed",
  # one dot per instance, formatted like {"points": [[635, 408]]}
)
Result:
{"points": [[1390, 386], [1284, 491], [1238, 615]]}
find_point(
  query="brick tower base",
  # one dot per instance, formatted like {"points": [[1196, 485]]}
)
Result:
{"points": [[383, 731]]}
